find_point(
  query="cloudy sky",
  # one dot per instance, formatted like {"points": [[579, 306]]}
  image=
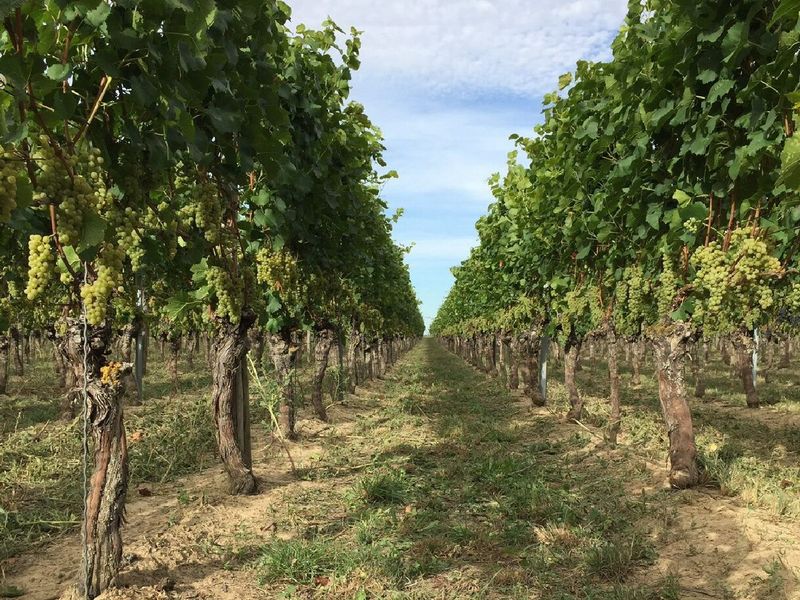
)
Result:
{"points": [[448, 81]]}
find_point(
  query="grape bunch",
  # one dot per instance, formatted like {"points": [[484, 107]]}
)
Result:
{"points": [[793, 298], [229, 293], [712, 274], [126, 224], [40, 265], [124, 217], [97, 295], [8, 185], [110, 374], [735, 286], [73, 183], [629, 301], [208, 210], [692, 224], [583, 309], [667, 286], [280, 272]]}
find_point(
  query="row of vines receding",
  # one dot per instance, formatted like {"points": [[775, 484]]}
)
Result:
{"points": [[658, 202], [187, 170]]}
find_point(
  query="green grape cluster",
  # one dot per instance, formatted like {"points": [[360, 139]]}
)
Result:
{"points": [[127, 221], [734, 286], [73, 183], [208, 210], [229, 293], [583, 311], [712, 274], [126, 224], [667, 286], [792, 299], [629, 301], [277, 270], [8, 185], [97, 295], [40, 265], [692, 224]]}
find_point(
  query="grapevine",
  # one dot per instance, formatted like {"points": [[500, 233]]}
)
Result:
{"points": [[8, 185]]}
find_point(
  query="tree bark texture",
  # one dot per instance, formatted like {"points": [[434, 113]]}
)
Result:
{"points": [[229, 353], [670, 348], [284, 349], [744, 345], [104, 389], [572, 351], [637, 358], [4, 363], [322, 350]]}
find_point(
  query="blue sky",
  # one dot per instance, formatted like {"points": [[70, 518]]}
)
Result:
{"points": [[448, 81]]}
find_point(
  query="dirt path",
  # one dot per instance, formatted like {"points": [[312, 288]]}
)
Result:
{"points": [[439, 484]]}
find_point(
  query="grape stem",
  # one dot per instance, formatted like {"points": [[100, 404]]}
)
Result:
{"points": [[727, 242], [710, 217], [105, 83], [65, 54]]}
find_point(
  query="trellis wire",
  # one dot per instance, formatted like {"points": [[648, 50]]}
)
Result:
{"points": [[87, 570]]}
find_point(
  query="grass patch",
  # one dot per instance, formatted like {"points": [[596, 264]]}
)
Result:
{"points": [[749, 454], [41, 481], [389, 487], [302, 561], [614, 559]]}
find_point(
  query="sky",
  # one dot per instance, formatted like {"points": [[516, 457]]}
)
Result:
{"points": [[448, 81]]}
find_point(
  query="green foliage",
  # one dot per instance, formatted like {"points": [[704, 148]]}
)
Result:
{"points": [[647, 161]]}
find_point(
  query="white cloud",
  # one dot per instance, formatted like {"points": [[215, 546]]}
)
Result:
{"points": [[446, 150], [508, 45]]}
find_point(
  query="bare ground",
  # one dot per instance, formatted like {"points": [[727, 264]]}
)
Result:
{"points": [[190, 540]]}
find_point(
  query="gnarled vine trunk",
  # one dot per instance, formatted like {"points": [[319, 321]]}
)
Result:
{"points": [[530, 349], [126, 340], [4, 363], [502, 357], [283, 349], [697, 371], [228, 398], [105, 503], [380, 358], [353, 343], [786, 355], [670, 348], [513, 363], [342, 375], [572, 351], [744, 346], [16, 339], [322, 350], [73, 375], [174, 344], [636, 362]]}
